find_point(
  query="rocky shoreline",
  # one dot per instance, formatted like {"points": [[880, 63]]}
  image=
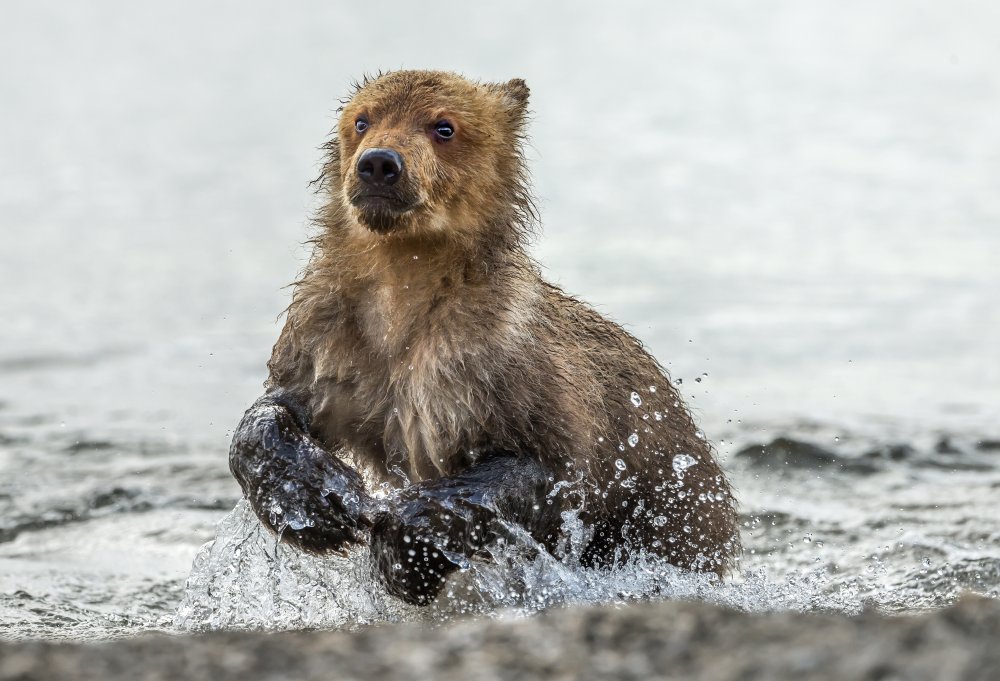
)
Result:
{"points": [[664, 640]]}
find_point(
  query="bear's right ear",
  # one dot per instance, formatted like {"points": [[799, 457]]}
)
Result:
{"points": [[515, 94]]}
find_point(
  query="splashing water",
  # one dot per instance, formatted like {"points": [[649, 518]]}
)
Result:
{"points": [[246, 579]]}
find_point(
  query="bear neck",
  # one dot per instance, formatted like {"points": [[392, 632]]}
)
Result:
{"points": [[351, 261]]}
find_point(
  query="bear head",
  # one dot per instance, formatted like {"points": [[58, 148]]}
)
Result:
{"points": [[421, 153]]}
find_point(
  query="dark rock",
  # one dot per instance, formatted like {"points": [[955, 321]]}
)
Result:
{"points": [[892, 453], [786, 452], [118, 497]]}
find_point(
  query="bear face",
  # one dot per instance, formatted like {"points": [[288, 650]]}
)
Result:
{"points": [[421, 153]]}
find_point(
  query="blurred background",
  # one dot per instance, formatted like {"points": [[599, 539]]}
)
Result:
{"points": [[794, 205]]}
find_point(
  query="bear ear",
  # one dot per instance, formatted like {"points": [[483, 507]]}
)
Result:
{"points": [[515, 94]]}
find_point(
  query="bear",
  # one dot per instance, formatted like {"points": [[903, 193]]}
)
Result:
{"points": [[429, 389]]}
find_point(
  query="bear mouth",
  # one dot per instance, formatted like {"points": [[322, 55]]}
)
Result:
{"points": [[381, 202], [381, 212]]}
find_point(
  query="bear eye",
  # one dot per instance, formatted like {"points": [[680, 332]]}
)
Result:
{"points": [[444, 130], [361, 124]]}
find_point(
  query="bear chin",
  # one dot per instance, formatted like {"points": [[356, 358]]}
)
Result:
{"points": [[380, 218], [380, 222]]}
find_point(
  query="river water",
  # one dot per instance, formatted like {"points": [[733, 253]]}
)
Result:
{"points": [[795, 205]]}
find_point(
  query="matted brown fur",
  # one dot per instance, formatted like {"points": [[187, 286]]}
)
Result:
{"points": [[421, 337]]}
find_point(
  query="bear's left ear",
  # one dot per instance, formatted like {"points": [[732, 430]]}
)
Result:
{"points": [[515, 94]]}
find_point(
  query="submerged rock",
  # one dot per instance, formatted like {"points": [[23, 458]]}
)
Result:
{"points": [[897, 452], [664, 640], [785, 451]]}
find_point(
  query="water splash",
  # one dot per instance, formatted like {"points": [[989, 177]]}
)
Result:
{"points": [[246, 579]]}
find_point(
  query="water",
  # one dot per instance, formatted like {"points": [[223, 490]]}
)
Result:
{"points": [[794, 203]]}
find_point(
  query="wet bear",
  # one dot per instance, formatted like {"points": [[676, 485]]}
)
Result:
{"points": [[424, 355]]}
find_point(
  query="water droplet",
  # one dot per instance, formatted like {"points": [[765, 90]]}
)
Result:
{"points": [[678, 381], [619, 464], [658, 416], [682, 462], [633, 439], [652, 388], [636, 400]]}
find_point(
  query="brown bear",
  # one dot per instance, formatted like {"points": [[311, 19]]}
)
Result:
{"points": [[423, 348]]}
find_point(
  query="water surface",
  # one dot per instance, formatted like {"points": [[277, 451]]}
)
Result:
{"points": [[796, 204]]}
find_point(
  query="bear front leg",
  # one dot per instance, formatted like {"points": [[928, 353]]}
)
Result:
{"points": [[431, 527], [302, 492], [314, 501]]}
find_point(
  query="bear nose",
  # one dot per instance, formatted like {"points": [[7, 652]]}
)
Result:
{"points": [[380, 167]]}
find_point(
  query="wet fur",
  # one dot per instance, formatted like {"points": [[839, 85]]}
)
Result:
{"points": [[420, 339]]}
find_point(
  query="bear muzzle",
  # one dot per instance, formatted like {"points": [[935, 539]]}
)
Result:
{"points": [[381, 192]]}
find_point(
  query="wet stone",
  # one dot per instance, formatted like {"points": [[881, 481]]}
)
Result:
{"points": [[790, 453], [119, 498], [896, 452]]}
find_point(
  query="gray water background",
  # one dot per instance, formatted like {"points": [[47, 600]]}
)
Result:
{"points": [[797, 203]]}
